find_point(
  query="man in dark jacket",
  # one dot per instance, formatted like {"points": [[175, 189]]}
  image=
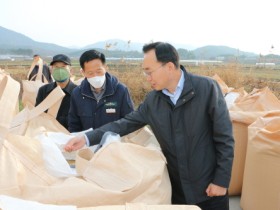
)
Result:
{"points": [[100, 98], [191, 122], [39, 65], [61, 73]]}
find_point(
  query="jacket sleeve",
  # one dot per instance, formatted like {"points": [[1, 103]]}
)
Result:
{"points": [[74, 122], [127, 103], [131, 122], [222, 136]]}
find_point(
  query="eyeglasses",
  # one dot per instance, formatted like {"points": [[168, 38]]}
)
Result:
{"points": [[149, 74]]}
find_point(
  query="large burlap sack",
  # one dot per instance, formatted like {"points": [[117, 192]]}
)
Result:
{"points": [[244, 112], [116, 174], [9, 91], [11, 203], [33, 121], [21, 165], [142, 206], [225, 89], [257, 100], [4, 74], [261, 183], [30, 91], [20, 156], [30, 87], [134, 172], [234, 96], [24, 173], [143, 137]]}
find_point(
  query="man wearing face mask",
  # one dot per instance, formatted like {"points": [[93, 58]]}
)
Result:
{"points": [[60, 66], [100, 98]]}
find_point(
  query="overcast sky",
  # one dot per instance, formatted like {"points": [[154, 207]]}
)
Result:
{"points": [[247, 25]]}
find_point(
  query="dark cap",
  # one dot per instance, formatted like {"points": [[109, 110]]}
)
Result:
{"points": [[61, 58]]}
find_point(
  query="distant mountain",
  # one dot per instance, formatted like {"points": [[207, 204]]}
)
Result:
{"points": [[19, 44], [212, 51], [10, 41]]}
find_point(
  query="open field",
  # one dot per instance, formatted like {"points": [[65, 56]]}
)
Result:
{"points": [[130, 73]]}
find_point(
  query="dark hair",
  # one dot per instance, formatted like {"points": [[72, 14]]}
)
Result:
{"points": [[91, 55], [36, 55], [165, 52]]}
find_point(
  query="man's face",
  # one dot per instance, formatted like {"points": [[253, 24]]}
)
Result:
{"points": [[94, 68], [154, 71], [60, 71], [36, 58]]}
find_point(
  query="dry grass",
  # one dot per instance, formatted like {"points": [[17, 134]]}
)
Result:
{"points": [[130, 73], [238, 76]]}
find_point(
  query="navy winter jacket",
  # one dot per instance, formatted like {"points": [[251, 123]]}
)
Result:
{"points": [[86, 112]]}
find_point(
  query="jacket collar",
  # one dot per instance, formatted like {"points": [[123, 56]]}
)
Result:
{"points": [[188, 86], [69, 87], [188, 91]]}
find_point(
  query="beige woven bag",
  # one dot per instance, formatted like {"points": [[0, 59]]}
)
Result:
{"points": [[244, 112], [261, 183], [15, 151], [31, 87], [135, 173], [116, 174], [142, 206], [33, 121], [9, 91]]}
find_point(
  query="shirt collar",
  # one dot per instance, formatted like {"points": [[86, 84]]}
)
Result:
{"points": [[179, 87]]}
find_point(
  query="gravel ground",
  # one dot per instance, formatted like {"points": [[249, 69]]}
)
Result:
{"points": [[234, 203]]}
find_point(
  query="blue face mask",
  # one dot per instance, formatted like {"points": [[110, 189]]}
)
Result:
{"points": [[60, 74]]}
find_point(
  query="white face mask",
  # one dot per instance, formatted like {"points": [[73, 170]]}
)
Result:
{"points": [[97, 81]]}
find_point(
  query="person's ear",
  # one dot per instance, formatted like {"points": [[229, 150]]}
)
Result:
{"points": [[170, 66], [106, 67], [82, 72]]}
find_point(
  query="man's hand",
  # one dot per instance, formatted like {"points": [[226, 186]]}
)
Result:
{"points": [[215, 190], [75, 143]]}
